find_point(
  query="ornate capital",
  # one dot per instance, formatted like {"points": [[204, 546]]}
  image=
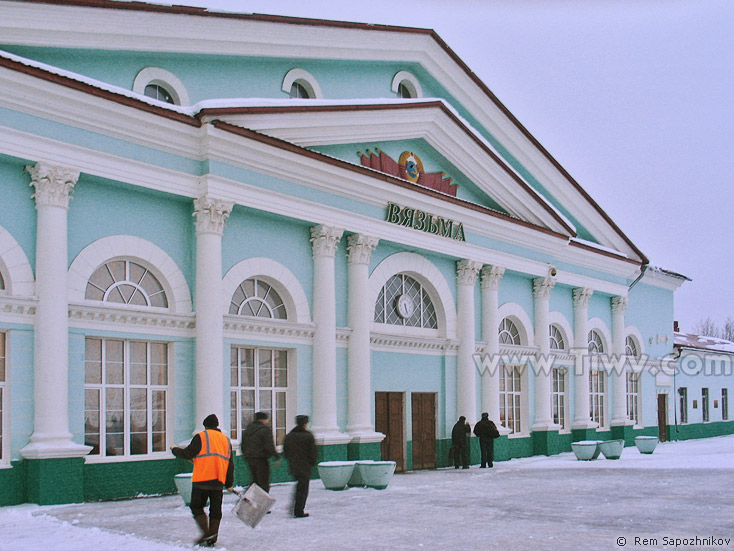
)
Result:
{"points": [[542, 287], [54, 184], [211, 213], [491, 276], [325, 239], [619, 305], [466, 271], [581, 297], [360, 248]]}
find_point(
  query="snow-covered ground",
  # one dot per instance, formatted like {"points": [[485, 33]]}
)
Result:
{"points": [[683, 491]]}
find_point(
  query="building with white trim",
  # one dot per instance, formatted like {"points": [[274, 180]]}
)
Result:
{"points": [[223, 213]]}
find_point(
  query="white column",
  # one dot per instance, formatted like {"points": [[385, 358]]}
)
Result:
{"points": [[210, 216], [541, 294], [466, 387], [51, 436], [491, 276], [582, 417], [619, 376], [359, 314], [325, 240]]}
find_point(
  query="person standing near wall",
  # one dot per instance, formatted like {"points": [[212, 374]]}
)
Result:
{"points": [[300, 450], [460, 441], [486, 431], [257, 448], [211, 452]]}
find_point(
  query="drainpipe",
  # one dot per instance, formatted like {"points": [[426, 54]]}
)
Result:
{"points": [[643, 269]]}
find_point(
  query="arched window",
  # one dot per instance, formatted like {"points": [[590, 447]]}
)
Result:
{"points": [[126, 282], [298, 91], [406, 86], [161, 85], [258, 299], [509, 333], [300, 84], [156, 91], [631, 348], [596, 343], [404, 301], [556, 339]]}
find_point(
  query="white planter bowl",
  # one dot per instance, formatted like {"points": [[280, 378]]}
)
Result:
{"points": [[646, 444], [586, 450], [183, 485], [335, 474], [612, 449], [356, 479], [376, 474]]}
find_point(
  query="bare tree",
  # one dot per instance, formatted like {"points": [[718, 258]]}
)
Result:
{"points": [[728, 331], [706, 327]]}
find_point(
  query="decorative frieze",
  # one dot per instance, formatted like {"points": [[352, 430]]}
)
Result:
{"points": [[491, 276], [542, 287], [325, 240], [581, 297], [54, 184], [360, 248], [211, 213], [466, 271]]}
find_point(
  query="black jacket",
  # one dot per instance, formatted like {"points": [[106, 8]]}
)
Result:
{"points": [[486, 429], [299, 449], [257, 441], [459, 434], [192, 450]]}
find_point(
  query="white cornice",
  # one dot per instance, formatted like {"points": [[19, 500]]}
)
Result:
{"points": [[105, 318], [413, 345], [17, 310], [241, 327]]}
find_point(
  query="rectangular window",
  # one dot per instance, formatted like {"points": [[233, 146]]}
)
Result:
{"points": [[705, 403], [2, 395], [683, 404], [633, 397], [597, 385], [125, 397], [510, 395], [259, 381], [558, 397], [724, 404]]}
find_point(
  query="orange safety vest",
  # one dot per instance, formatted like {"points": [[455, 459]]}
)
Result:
{"points": [[213, 459]]}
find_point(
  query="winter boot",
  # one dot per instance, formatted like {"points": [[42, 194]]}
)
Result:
{"points": [[203, 523], [211, 538]]}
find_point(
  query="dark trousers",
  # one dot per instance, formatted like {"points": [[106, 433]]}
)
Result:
{"points": [[461, 456], [301, 494], [199, 497], [486, 447], [260, 469]]}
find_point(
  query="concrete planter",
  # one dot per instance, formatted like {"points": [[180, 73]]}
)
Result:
{"points": [[356, 480], [335, 474], [376, 474], [646, 444], [612, 449], [183, 485], [586, 450]]}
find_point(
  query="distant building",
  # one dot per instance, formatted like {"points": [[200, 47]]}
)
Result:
{"points": [[222, 213]]}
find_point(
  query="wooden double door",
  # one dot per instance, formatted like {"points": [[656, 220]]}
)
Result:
{"points": [[390, 420]]}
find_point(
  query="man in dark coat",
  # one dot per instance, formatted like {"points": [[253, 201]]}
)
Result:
{"points": [[460, 441], [257, 448], [299, 449], [486, 431], [211, 452]]}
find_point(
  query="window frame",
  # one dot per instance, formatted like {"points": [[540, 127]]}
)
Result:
{"points": [[598, 407], [387, 304], [257, 283], [683, 404], [633, 395], [506, 326], [410, 82], [167, 295], [166, 80], [705, 406], [559, 407], [724, 404], [305, 79], [511, 399]]}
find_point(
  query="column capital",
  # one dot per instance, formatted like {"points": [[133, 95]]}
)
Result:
{"points": [[542, 287], [491, 276], [581, 296], [360, 248], [54, 184], [466, 271], [619, 305], [211, 213], [325, 239]]}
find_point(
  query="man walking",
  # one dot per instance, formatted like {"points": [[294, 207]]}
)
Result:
{"points": [[486, 431], [299, 449], [257, 448], [460, 441], [211, 452]]}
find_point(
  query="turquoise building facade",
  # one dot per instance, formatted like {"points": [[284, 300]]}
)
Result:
{"points": [[224, 213]]}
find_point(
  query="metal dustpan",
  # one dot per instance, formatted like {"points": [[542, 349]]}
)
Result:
{"points": [[253, 505]]}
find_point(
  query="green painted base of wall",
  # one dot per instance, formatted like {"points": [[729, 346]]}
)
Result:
{"points": [[12, 482], [54, 481], [369, 450], [578, 435], [626, 433], [132, 478], [699, 430], [506, 448], [548, 443]]}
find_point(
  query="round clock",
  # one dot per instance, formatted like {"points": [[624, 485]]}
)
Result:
{"points": [[404, 306]]}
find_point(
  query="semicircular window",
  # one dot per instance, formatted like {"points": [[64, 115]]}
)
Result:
{"points": [[596, 343], [404, 301], [630, 348], [509, 333], [556, 339], [255, 298], [126, 282]]}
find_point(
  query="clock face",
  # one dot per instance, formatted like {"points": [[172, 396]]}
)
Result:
{"points": [[405, 306]]}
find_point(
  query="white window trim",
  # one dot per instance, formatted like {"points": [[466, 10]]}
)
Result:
{"points": [[164, 79], [604, 421], [524, 431], [305, 79], [606, 337], [16, 268], [565, 397], [521, 320], [632, 331], [559, 320], [412, 83]]}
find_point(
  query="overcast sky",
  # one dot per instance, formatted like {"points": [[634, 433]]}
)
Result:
{"points": [[634, 98]]}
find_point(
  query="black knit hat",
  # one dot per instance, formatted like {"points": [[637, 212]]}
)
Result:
{"points": [[301, 420], [261, 415], [211, 422], [485, 415], [462, 419]]}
